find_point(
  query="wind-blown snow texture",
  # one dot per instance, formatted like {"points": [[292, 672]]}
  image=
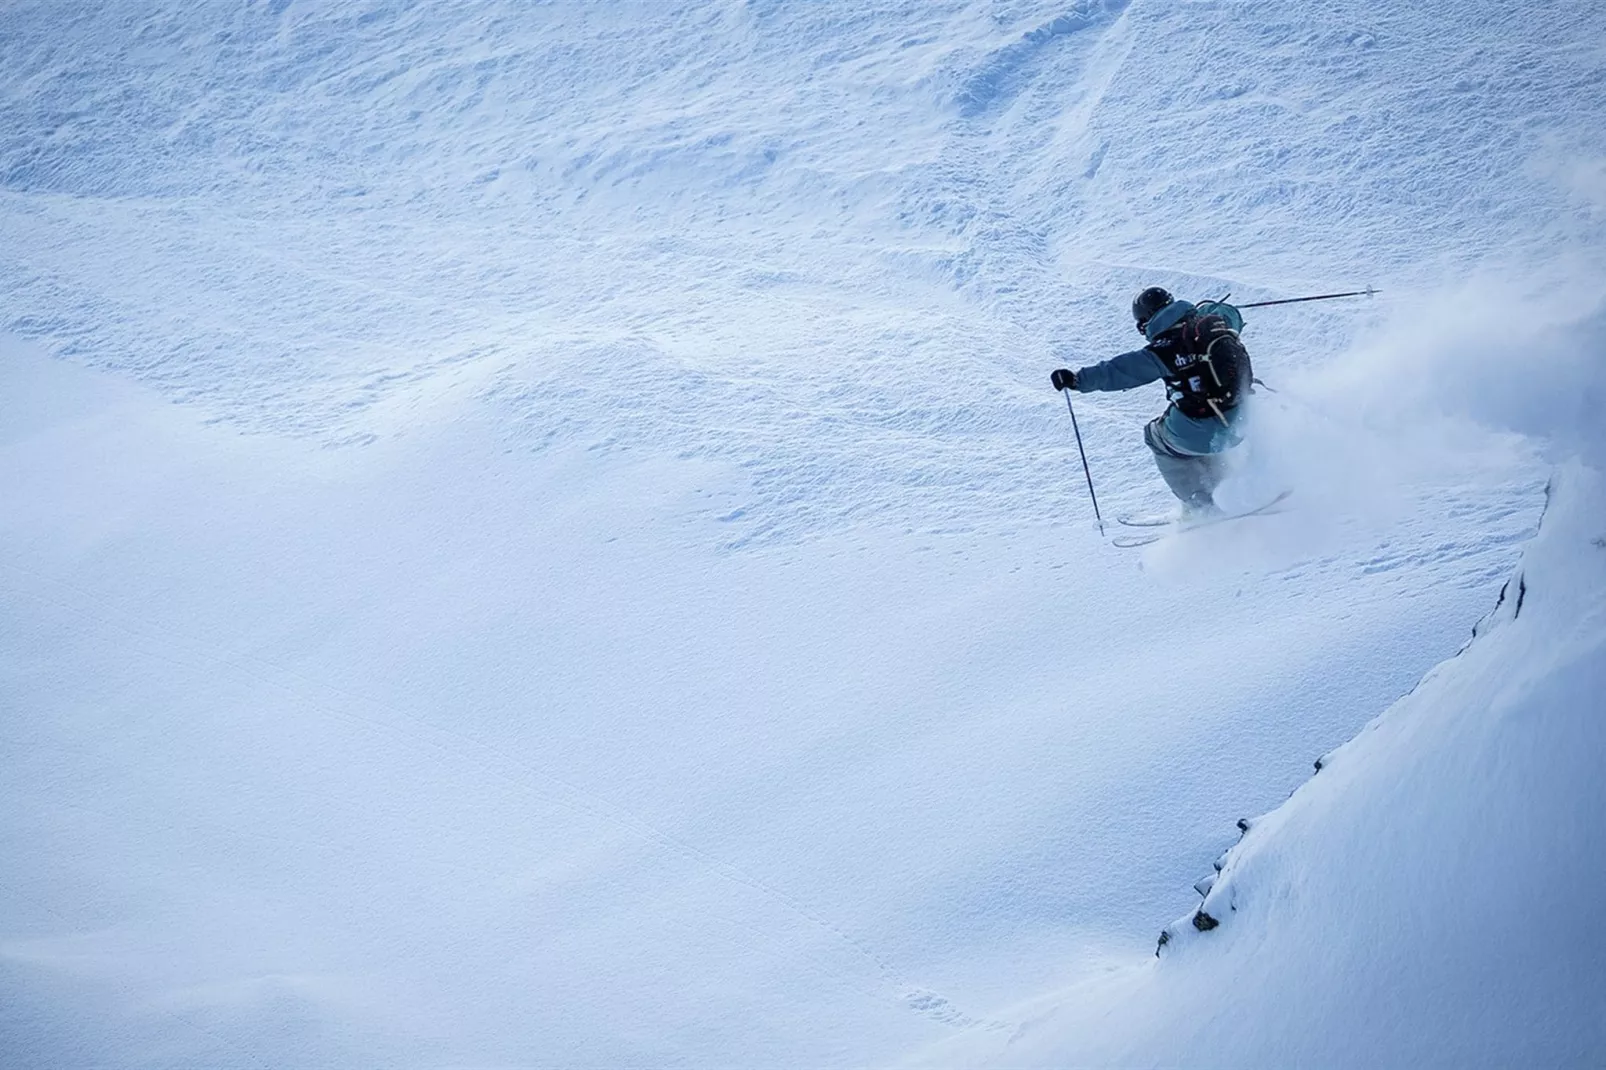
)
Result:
{"points": [[539, 535]]}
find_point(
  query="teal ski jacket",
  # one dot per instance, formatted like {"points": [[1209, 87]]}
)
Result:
{"points": [[1184, 435]]}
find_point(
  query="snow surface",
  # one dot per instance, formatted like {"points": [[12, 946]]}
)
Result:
{"points": [[1427, 899], [538, 534]]}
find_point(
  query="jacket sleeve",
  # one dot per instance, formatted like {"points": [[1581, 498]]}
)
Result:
{"points": [[1121, 373]]}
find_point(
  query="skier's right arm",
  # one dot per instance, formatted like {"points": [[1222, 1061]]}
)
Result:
{"points": [[1121, 373]]}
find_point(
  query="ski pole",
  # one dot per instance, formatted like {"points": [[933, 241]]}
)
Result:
{"points": [[1083, 452], [1368, 292]]}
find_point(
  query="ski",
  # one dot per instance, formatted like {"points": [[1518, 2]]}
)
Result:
{"points": [[1146, 539], [1147, 521]]}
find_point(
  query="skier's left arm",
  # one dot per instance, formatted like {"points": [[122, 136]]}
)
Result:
{"points": [[1118, 373]]}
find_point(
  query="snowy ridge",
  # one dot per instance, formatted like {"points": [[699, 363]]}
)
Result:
{"points": [[1435, 881], [1508, 606], [1427, 897]]}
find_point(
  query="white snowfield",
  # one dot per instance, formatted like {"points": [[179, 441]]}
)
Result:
{"points": [[1428, 899], [538, 535]]}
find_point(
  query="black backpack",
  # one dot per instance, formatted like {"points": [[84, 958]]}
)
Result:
{"points": [[1208, 371]]}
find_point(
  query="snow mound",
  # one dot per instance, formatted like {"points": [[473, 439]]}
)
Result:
{"points": [[1430, 896]]}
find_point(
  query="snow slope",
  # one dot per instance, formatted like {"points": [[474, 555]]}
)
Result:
{"points": [[1426, 898], [538, 534]]}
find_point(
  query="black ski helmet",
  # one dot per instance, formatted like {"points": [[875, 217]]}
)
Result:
{"points": [[1148, 303]]}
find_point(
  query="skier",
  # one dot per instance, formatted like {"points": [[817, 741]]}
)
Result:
{"points": [[1207, 374]]}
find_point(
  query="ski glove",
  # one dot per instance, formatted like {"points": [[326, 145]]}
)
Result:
{"points": [[1063, 379]]}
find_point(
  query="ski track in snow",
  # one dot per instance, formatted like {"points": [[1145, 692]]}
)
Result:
{"points": [[827, 253]]}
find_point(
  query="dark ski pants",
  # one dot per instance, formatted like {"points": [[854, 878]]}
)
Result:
{"points": [[1192, 477]]}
